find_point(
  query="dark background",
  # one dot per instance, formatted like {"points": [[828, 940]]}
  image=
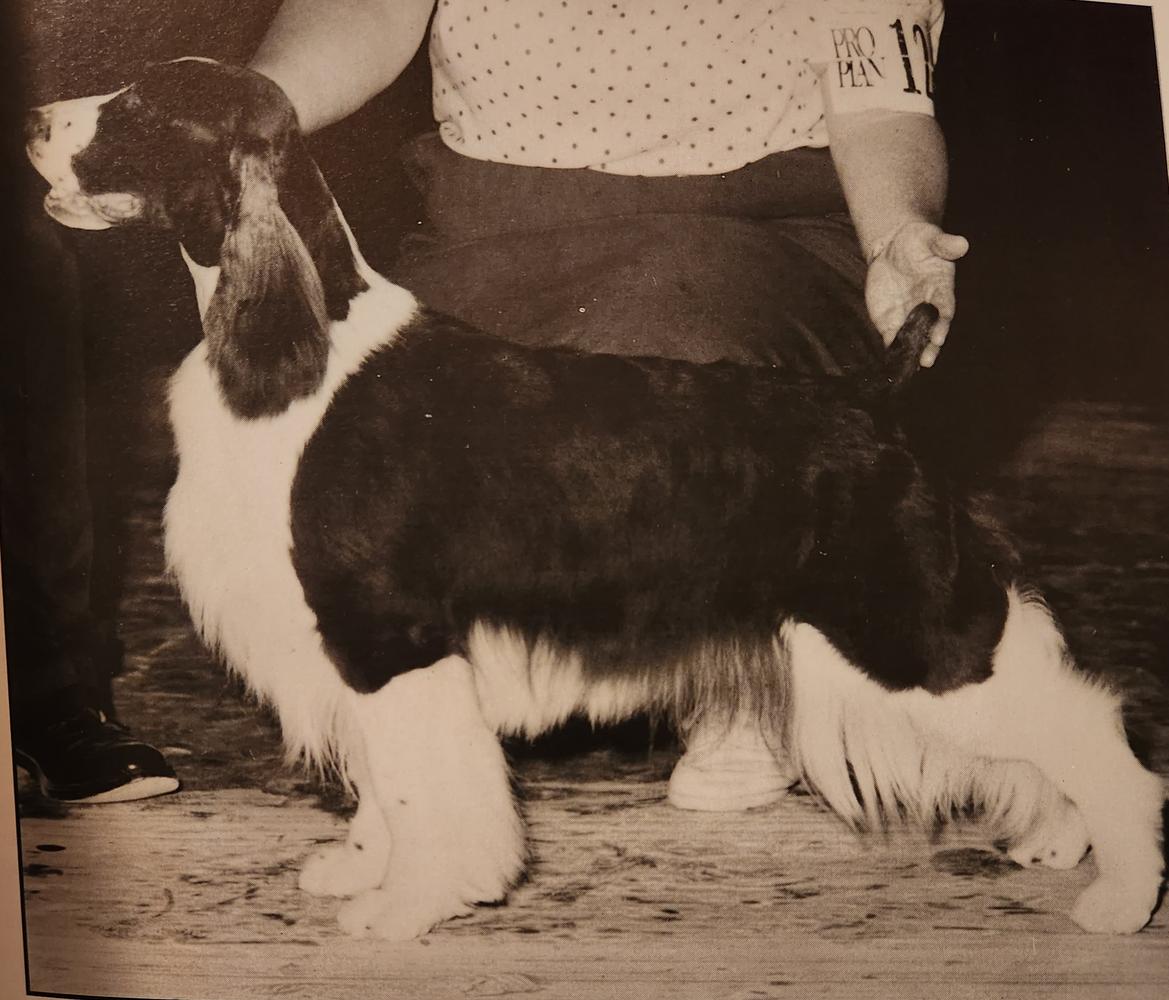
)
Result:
{"points": [[1053, 117]]}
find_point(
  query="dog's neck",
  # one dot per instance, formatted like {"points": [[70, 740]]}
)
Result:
{"points": [[364, 273], [380, 308]]}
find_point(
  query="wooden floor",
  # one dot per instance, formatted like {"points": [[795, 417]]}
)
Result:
{"points": [[194, 895]]}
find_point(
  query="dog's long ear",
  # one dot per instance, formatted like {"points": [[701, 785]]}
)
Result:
{"points": [[266, 325]]}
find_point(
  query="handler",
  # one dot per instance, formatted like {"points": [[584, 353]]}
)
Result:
{"points": [[754, 180]]}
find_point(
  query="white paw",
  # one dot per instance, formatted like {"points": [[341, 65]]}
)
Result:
{"points": [[1115, 906], [401, 911], [1060, 840], [343, 870], [444, 877], [425, 886]]}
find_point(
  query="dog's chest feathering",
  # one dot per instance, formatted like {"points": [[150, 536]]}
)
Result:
{"points": [[227, 523]]}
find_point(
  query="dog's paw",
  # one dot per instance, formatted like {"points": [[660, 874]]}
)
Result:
{"points": [[343, 870], [401, 910], [424, 887], [441, 877], [1060, 840], [1115, 906]]}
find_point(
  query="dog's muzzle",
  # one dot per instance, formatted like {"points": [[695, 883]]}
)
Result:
{"points": [[54, 135]]}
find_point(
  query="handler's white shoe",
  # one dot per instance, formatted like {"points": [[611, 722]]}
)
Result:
{"points": [[729, 769]]}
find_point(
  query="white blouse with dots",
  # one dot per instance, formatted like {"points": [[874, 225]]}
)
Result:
{"points": [[659, 87]]}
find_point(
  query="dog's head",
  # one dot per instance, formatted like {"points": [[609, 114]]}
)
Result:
{"points": [[213, 153]]}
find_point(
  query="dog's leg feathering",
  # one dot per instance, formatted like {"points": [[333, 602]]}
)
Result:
{"points": [[1039, 745], [1037, 707], [441, 781]]}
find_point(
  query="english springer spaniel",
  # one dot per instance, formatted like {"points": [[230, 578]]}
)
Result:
{"points": [[410, 538]]}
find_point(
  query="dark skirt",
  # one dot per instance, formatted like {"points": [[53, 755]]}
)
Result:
{"points": [[758, 266]]}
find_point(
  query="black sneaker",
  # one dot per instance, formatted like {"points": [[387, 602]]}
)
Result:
{"points": [[87, 758]]}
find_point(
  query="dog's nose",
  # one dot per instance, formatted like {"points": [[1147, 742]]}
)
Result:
{"points": [[38, 126]]}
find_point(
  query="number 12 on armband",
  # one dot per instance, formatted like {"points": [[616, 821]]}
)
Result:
{"points": [[922, 38]]}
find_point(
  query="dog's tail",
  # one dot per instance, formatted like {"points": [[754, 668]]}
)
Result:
{"points": [[904, 354]]}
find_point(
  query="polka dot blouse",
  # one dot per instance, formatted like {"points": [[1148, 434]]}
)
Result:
{"points": [[659, 87]]}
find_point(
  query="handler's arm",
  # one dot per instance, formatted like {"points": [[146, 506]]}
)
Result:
{"points": [[892, 166], [330, 58]]}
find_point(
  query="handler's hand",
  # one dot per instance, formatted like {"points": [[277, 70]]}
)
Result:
{"points": [[916, 265]]}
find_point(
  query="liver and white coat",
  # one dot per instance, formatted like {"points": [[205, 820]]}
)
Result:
{"points": [[410, 538]]}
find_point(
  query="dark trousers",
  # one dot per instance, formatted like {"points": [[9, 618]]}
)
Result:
{"points": [[96, 321], [56, 644], [759, 266]]}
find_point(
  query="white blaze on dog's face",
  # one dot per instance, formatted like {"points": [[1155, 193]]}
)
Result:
{"points": [[56, 133]]}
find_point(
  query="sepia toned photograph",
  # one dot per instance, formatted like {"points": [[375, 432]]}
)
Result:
{"points": [[577, 499]]}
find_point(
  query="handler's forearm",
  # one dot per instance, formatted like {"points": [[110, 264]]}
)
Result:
{"points": [[892, 166], [330, 58]]}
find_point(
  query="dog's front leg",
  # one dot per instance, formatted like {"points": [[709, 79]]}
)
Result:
{"points": [[438, 774]]}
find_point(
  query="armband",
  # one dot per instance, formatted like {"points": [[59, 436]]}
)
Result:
{"points": [[877, 55]]}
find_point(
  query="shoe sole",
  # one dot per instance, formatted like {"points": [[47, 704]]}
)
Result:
{"points": [[139, 788]]}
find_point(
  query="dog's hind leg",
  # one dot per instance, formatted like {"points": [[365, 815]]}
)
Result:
{"points": [[851, 736], [359, 863], [1038, 707], [440, 779]]}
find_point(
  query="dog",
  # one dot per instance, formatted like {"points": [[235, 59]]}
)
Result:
{"points": [[410, 539]]}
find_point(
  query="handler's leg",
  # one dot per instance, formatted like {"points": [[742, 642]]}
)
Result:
{"points": [[59, 651]]}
